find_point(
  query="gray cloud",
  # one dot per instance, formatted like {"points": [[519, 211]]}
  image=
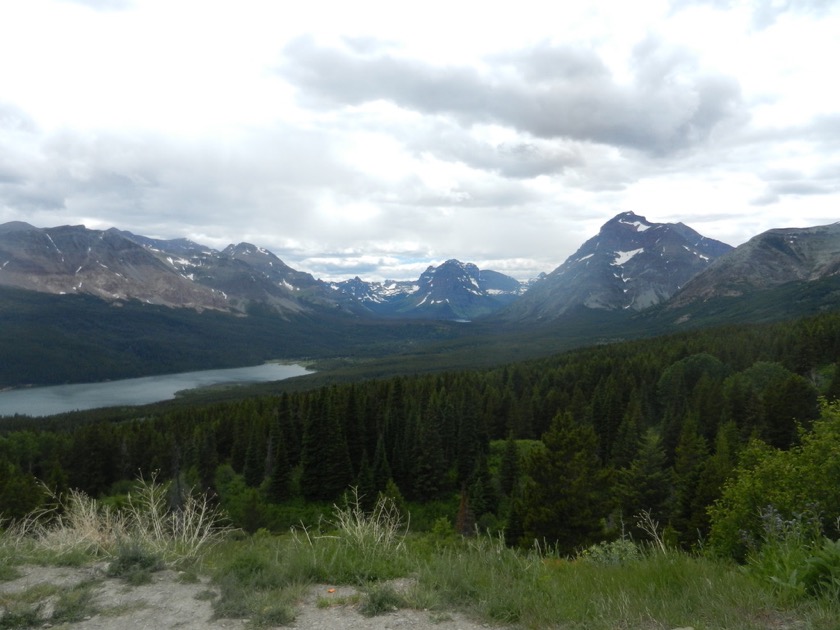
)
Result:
{"points": [[667, 107], [784, 182], [523, 159]]}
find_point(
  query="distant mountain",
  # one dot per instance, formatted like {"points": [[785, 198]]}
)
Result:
{"points": [[452, 290], [115, 265], [771, 259], [631, 264]]}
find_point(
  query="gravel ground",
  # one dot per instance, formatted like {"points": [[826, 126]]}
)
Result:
{"points": [[167, 602]]}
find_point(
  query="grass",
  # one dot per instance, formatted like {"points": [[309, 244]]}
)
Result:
{"points": [[78, 528], [45, 605], [264, 578]]}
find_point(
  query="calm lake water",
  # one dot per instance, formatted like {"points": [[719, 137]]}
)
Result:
{"points": [[46, 401]]}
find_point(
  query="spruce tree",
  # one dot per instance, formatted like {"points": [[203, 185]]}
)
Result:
{"points": [[565, 499], [253, 470], [509, 472], [324, 458], [689, 459], [429, 470], [280, 478], [645, 485]]}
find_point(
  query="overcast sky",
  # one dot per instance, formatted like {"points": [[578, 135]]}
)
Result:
{"points": [[376, 138]]}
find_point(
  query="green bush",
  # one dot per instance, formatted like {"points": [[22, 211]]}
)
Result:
{"points": [[380, 599], [802, 479], [135, 563], [821, 573], [614, 552]]}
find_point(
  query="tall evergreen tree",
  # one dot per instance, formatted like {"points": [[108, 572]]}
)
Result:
{"points": [[381, 468], [645, 485], [253, 470], [280, 478], [324, 458], [565, 499], [429, 470], [509, 470], [690, 457]]}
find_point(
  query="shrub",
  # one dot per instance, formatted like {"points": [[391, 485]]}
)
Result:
{"points": [[821, 573], [135, 563], [380, 599], [614, 552]]}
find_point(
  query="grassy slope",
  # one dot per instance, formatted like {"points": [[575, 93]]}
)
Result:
{"points": [[260, 577]]}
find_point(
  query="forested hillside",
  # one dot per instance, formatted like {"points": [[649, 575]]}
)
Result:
{"points": [[564, 450]]}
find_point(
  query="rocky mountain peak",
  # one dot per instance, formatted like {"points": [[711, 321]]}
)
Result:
{"points": [[631, 263]]}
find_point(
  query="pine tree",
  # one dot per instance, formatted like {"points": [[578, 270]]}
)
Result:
{"points": [[429, 470], [325, 461], [509, 471], [689, 459], [381, 468], [280, 478], [645, 485], [365, 484], [253, 470], [715, 471], [629, 435], [565, 499]]}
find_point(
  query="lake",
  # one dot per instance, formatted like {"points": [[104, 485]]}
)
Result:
{"points": [[46, 401]]}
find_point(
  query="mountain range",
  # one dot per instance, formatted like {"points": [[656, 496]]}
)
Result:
{"points": [[82, 305], [632, 264]]}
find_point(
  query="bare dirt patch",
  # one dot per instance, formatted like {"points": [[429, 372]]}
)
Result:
{"points": [[170, 601]]}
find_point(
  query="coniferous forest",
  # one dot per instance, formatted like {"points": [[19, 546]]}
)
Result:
{"points": [[690, 429]]}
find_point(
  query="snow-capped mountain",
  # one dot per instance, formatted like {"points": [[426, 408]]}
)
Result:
{"points": [[116, 265], [452, 290], [630, 264], [768, 260]]}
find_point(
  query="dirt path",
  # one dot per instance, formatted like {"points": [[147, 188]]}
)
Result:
{"points": [[169, 602]]}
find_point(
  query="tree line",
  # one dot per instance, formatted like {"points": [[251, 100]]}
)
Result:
{"points": [[564, 450]]}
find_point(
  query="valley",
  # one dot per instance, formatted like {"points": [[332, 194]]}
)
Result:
{"points": [[610, 413]]}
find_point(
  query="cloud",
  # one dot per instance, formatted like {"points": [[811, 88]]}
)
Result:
{"points": [[542, 91], [15, 120], [517, 158], [104, 5], [765, 13], [796, 183]]}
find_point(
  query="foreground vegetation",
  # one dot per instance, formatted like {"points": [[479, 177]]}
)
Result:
{"points": [[723, 440], [621, 584]]}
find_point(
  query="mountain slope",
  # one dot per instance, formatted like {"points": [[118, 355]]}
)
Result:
{"points": [[73, 259], [631, 264], [771, 259], [117, 265]]}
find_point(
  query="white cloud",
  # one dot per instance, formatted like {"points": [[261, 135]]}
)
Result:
{"points": [[375, 138]]}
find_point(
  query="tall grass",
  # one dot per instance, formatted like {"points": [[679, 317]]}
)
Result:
{"points": [[620, 584], [76, 525]]}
